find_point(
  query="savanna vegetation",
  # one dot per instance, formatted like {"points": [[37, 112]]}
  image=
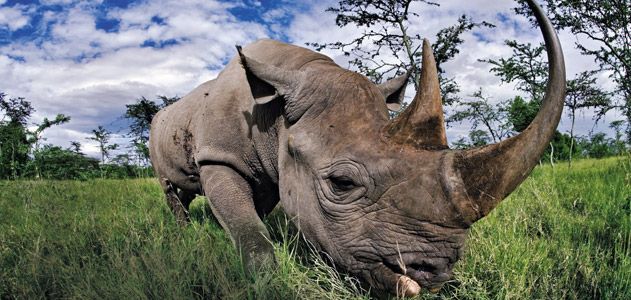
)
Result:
{"points": [[565, 233], [75, 226]]}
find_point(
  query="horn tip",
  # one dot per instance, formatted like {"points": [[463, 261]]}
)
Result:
{"points": [[426, 43]]}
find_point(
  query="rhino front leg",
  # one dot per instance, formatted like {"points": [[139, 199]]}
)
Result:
{"points": [[230, 199]]}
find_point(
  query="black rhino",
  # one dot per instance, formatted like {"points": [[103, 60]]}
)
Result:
{"points": [[386, 199]]}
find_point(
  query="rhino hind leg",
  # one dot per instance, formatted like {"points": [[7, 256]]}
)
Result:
{"points": [[230, 199], [177, 202]]}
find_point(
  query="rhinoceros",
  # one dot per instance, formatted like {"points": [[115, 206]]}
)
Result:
{"points": [[386, 199]]}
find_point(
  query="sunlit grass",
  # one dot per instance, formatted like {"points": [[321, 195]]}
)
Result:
{"points": [[562, 234]]}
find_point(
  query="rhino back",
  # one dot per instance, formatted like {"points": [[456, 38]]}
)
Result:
{"points": [[218, 123]]}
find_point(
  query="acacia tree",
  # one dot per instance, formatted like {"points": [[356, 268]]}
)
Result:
{"points": [[618, 143], [102, 136], [14, 146], [582, 92], [141, 114], [387, 47], [35, 136], [17, 142], [607, 23], [481, 113], [527, 69]]}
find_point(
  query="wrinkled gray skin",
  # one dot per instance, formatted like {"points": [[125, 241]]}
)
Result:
{"points": [[387, 200]]}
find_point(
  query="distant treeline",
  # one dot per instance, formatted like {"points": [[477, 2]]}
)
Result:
{"points": [[24, 155]]}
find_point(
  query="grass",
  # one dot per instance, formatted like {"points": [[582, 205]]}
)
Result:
{"points": [[562, 234]]}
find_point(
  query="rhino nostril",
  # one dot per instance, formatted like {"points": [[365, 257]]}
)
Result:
{"points": [[423, 268]]}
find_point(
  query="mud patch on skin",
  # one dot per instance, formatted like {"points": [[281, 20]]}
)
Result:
{"points": [[176, 139], [189, 148]]}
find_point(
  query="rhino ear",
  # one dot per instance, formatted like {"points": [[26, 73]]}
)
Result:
{"points": [[394, 91], [268, 82]]}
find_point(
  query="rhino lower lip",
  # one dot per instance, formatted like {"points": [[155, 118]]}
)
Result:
{"points": [[421, 273]]}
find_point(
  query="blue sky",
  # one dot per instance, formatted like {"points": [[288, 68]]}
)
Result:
{"points": [[87, 59]]}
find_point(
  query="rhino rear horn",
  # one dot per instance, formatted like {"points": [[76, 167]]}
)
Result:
{"points": [[422, 124], [492, 172]]}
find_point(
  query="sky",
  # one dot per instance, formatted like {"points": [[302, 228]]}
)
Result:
{"points": [[88, 59]]}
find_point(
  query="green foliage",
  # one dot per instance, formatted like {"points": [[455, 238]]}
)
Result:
{"points": [[54, 162], [606, 25], [521, 113], [14, 150], [597, 146], [17, 109], [102, 136], [563, 234], [561, 148], [141, 114], [527, 67], [14, 140], [478, 110], [385, 25]]}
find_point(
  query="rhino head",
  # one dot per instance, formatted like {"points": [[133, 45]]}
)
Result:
{"points": [[387, 199]]}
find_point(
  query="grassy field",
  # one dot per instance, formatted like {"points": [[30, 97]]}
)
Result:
{"points": [[562, 234]]}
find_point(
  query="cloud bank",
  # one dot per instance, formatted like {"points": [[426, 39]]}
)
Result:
{"points": [[89, 59]]}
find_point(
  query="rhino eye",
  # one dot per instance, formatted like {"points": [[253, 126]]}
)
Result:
{"points": [[342, 184]]}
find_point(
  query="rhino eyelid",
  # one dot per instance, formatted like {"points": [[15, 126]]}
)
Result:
{"points": [[343, 182]]}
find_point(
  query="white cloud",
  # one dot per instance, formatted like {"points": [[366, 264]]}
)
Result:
{"points": [[90, 74], [12, 18]]}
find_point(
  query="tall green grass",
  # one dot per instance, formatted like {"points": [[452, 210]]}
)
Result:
{"points": [[562, 234]]}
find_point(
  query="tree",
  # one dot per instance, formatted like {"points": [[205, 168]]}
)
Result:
{"points": [[582, 92], [18, 110], [17, 142], [521, 112], [14, 149], [619, 146], [607, 24], [477, 138], [527, 68], [596, 146], [102, 136], [493, 117], [55, 162], [14, 144], [35, 136], [141, 114], [387, 47], [75, 147]]}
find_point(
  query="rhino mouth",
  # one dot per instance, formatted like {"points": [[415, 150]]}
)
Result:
{"points": [[430, 273]]}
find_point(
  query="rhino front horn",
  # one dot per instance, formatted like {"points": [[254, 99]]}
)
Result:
{"points": [[492, 172]]}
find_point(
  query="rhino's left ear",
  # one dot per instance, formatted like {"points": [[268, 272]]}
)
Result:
{"points": [[394, 91]]}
